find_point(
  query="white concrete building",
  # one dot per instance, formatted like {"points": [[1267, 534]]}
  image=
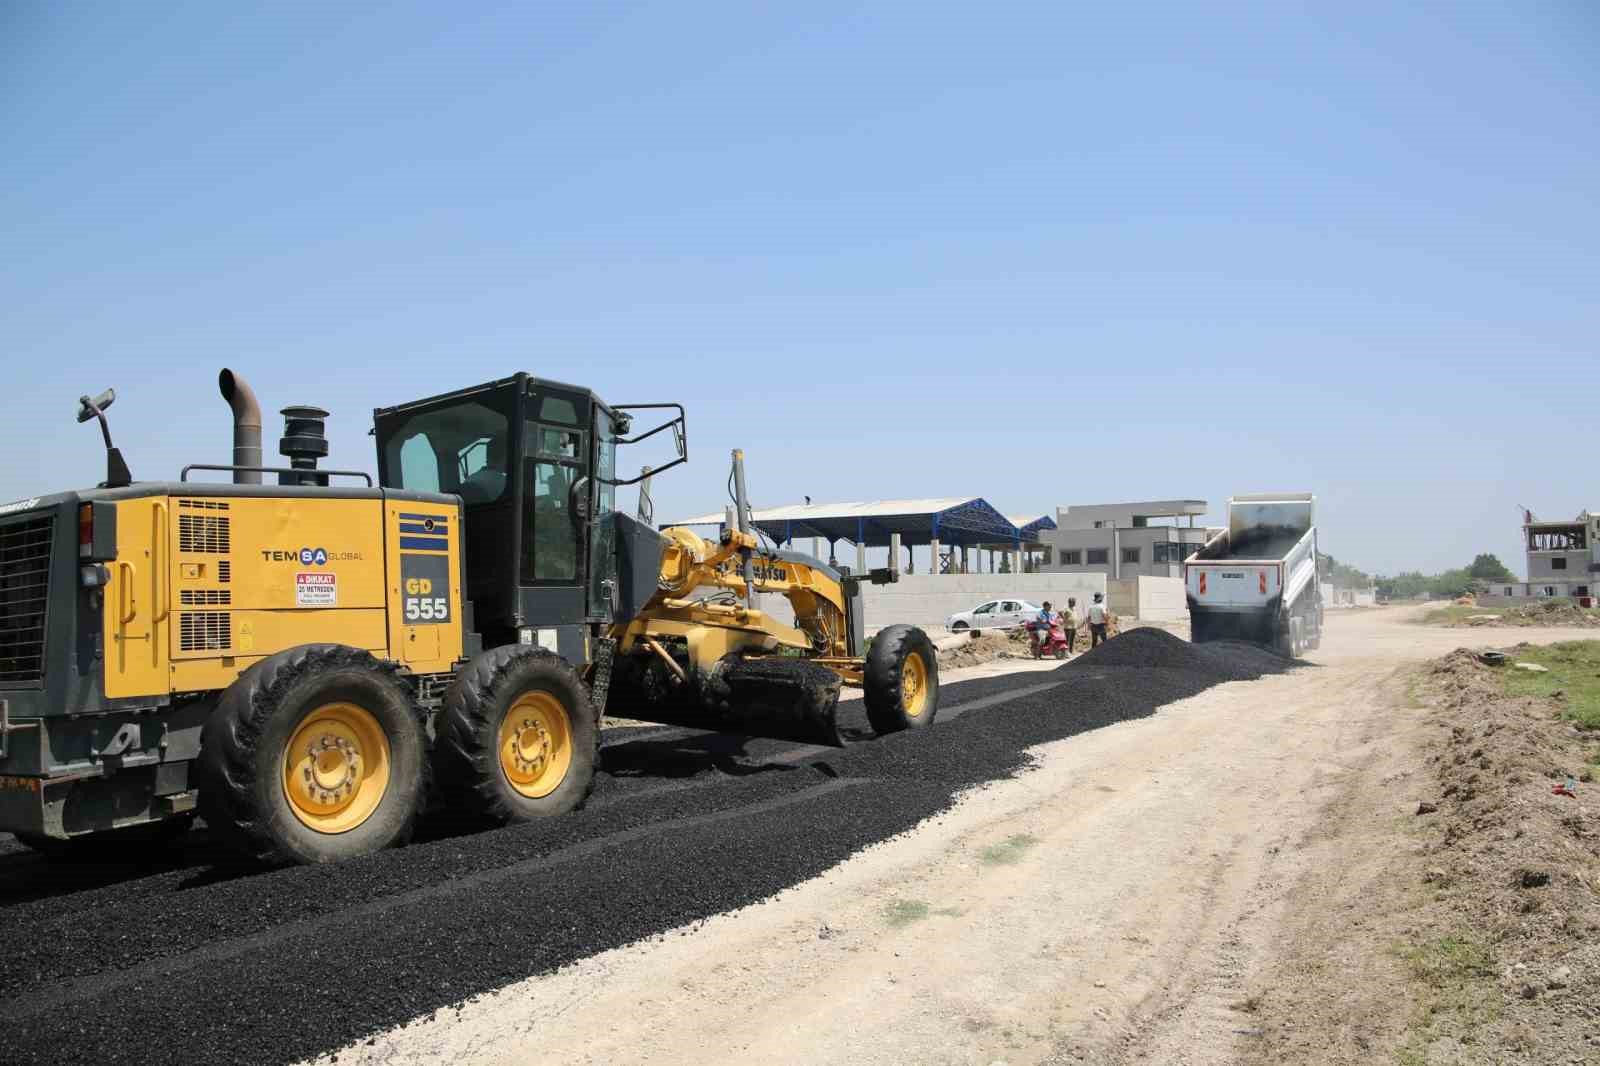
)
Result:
{"points": [[1125, 540]]}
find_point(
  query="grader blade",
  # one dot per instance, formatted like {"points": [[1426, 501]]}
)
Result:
{"points": [[791, 699]]}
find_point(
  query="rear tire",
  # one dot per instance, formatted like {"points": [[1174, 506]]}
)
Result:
{"points": [[901, 680], [314, 754], [519, 737]]}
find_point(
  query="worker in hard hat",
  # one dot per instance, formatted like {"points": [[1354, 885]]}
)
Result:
{"points": [[1099, 619]]}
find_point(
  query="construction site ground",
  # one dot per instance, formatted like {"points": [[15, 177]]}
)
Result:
{"points": [[1186, 868]]}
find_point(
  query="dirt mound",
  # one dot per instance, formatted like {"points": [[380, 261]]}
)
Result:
{"points": [[1512, 868], [981, 648], [1223, 660], [1543, 613]]}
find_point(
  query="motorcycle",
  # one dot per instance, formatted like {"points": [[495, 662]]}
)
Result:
{"points": [[1047, 639]]}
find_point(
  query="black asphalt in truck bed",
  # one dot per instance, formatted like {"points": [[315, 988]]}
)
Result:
{"points": [[194, 963]]}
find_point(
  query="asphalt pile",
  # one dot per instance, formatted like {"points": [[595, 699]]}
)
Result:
{"points": [[278, 966], [1217, 661]]}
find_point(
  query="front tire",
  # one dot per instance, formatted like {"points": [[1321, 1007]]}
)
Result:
{"points": [[314, 754], [519, 737], [960, 627], [901, 680]]}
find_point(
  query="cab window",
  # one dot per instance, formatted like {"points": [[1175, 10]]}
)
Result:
{"points": [[556, 456], [462, 448], [552, 550]]}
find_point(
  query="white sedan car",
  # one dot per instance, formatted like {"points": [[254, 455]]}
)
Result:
{"points": [[996, 614]]}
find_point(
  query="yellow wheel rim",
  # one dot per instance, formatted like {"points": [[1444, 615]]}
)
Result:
{"points": [[914, 685], [336, 769], [535, 744]]}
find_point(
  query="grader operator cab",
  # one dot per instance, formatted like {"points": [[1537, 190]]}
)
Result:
{"points": [[296, 661]]}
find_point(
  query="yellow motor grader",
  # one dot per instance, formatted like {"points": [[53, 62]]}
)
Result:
{"points": [[291, 660]]}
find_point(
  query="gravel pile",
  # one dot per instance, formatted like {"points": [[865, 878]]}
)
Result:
{"points": [[274, 967]]}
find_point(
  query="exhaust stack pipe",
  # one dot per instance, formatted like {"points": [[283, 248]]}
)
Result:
{"points": [[246, 426]]}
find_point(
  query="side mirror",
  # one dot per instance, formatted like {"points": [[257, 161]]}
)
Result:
{"points": [[88, 408], [680, 435]]}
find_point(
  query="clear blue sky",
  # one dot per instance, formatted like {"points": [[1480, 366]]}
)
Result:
{"points": [[890, 250]]}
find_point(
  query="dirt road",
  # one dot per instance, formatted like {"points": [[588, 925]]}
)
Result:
{"points": [[1116, 904]]}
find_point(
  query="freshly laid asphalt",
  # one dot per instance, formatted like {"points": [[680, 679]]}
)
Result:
{"points": [[179, 960]]}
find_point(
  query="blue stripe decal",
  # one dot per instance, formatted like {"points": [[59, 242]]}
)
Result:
{"points": [[438, 519], [426, 544]]}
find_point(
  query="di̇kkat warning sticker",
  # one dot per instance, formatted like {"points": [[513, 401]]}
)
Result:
{"points": [[316, 589]]}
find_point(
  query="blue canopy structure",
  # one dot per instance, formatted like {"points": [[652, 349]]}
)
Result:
{"points": [[950, 520], [1029, 528]]}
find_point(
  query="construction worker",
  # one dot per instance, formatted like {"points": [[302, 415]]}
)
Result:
{"points": [[1099, 617], [1069, 622]]}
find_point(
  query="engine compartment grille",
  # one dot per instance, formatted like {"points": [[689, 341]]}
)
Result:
{"points": [[204, 533], [25, 550], [205, 631]]}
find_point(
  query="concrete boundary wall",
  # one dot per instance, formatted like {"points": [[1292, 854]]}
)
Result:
{"points": [[1153, 599], [1161, 599]]}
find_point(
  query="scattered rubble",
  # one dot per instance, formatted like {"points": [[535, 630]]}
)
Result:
{"points": [[981, 647]]}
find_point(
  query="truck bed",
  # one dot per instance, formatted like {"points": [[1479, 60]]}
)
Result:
{"points": [[1273, 545]]}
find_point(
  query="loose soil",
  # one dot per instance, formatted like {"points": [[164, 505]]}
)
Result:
{"points": [[1465, 929], [983, 647], [1544, 613]]}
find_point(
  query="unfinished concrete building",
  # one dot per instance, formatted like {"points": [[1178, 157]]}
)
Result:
{"points": [[1563, 560]]}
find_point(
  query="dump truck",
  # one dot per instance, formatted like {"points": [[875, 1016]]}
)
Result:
{"points": [[307, 665], [1258, 579]]}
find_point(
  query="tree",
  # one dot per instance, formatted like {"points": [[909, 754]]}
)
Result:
{"points": [[1451, 583], [1413, 584], [1487, 567], [1408, 585], [1342, 574]]}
